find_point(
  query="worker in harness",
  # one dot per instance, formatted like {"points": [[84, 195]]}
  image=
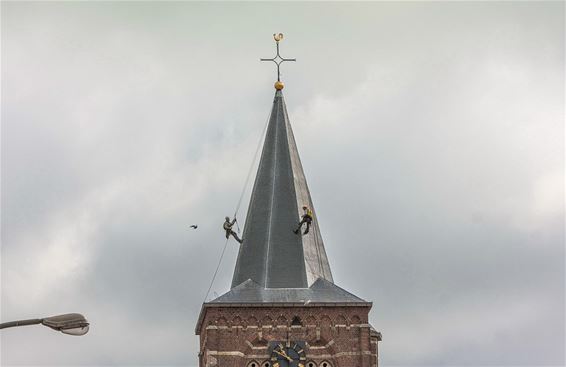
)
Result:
{"points": [[228, 228], [306, 218]]}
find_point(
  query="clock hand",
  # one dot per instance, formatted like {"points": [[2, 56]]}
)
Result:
{"points": [[283, 354], [287, 356]]}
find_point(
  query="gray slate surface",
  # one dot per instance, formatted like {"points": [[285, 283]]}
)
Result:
{"points": [[322, 291], [272, 255]]}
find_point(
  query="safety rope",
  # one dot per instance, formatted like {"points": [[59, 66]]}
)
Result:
{"points": [[238, 205], [217, 267], [252, 165]]}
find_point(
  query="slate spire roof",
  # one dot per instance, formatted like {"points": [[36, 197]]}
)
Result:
{"points": [[271, 255], [275, 266]]}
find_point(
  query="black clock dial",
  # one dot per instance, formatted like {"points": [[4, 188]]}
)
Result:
{"points": [[288, 354]]}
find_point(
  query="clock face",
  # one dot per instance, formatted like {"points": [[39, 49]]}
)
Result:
{"points": [[287, 354]]}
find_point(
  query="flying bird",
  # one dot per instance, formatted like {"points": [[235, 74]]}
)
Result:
{"points": [[194, 226]]}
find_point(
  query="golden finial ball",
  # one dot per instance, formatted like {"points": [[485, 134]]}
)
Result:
{"points": [[279, 85]]}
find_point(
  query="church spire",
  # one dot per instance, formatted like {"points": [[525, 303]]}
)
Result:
{"points": [[272, 255], [282, 290]]}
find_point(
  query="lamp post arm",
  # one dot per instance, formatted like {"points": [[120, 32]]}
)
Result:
{"points": [[20, 323]]}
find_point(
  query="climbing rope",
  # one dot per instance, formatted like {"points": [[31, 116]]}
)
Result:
{"points": [[238, 205], [252, 165], [217, 267]]}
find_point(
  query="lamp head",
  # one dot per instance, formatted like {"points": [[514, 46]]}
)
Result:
{"points": [[71, 323]]}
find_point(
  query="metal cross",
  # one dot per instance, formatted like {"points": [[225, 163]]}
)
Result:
{"points": [[278, 59]]}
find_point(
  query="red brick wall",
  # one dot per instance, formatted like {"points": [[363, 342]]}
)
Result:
{"points": [[237, 336]]}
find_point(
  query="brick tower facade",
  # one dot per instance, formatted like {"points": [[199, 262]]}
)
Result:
{"points": [[283, 309], [334, 335]]}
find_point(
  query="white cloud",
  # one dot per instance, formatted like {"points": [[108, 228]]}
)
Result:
{"points": [[48, 258], [548, 195], [471, 324]]}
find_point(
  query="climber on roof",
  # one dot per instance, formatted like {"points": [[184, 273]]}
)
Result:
{"points": [[228, 228], [306, 218]]}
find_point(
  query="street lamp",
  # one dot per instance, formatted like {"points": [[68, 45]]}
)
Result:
{"points": [[71, 323]]}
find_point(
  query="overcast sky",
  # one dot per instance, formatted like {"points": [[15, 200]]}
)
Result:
{"points": [[431, 134]]}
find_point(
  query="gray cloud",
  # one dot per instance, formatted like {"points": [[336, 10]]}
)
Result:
{"points": [[431, 136]]}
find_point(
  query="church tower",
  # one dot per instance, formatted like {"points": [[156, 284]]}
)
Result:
{"points": [[283, 308]]}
